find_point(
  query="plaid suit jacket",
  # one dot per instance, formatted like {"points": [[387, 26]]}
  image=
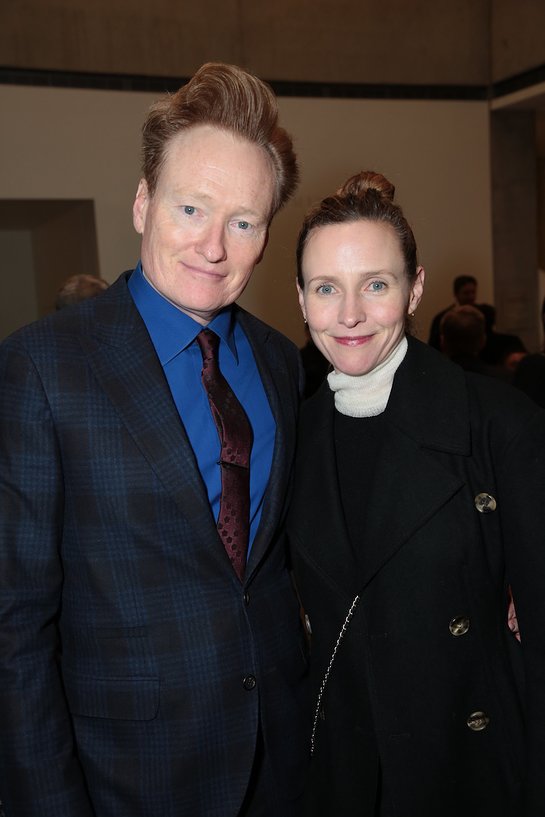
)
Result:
{"points": [[128, 647]]}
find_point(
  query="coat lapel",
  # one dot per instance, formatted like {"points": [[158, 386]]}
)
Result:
{"points": [[317, 514], [409, 487], [427, 412]]}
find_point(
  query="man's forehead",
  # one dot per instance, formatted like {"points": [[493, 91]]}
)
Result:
{"points": [[206, 163]]}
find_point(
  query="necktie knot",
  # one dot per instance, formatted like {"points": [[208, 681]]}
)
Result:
{"points": [[209, 344]]}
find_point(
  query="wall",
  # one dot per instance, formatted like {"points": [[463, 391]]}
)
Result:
{"points": [[516, 33], [72, 144], [514, 197], [17, 284], [368, 41], [437, 156]]}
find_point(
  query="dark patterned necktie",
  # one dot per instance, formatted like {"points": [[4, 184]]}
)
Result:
{"points": [[236, 437]]}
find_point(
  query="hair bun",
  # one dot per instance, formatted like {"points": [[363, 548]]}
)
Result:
{"points": [[366, 180]]}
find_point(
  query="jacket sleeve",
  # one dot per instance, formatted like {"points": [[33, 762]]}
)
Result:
{"points": [[39, 772], [521, 483]]}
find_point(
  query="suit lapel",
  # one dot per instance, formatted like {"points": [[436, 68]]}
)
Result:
{"points": [[126, 366], [281, 394]]}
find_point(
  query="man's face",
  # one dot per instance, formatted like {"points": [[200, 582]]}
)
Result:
{"points": [[467, 294], [205, 227]]}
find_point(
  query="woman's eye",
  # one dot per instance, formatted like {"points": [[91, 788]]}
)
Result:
{"points": [[325, 289], [189, 210]]}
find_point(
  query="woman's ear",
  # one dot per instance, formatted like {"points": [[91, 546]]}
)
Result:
{"points": [[417, 290], [301, 296]]}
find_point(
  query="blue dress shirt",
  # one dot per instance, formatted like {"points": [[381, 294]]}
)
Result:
{"points": [[173, 335]]}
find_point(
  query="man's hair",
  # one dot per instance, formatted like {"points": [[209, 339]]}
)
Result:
{"points": [[463, 331], [79, 288], [228, 98], [461, 280]]}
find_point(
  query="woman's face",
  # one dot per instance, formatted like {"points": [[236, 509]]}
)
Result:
{"points": [[356, 294]]}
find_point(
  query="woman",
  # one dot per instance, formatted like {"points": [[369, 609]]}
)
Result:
{"points": [[419, 498]]}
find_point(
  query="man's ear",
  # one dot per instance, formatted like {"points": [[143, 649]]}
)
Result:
{"points": [[140, 206]]}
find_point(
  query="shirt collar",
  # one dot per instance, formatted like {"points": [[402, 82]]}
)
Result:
{"points": [[170, 329]]}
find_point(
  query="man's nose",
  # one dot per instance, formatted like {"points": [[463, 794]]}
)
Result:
{"points": [[211, 243]]}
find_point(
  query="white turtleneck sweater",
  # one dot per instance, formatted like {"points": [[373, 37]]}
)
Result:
{"points": [[367, 395]]}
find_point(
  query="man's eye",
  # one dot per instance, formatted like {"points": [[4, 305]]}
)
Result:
{"points": [[189, 209], [325, 289], [377, 286], [243, 225]]}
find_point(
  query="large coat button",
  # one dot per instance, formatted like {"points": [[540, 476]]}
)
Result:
{"points": [[249, 683], [485, 503], [478, 721], [459, 625]]}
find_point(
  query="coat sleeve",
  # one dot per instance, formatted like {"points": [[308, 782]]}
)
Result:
{"points": [[39, 772], [521, 483]]}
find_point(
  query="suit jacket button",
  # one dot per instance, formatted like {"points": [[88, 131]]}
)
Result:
{"points": [[485, 503], [478, 721], [249, 682], [246, 598], [459, 625]]}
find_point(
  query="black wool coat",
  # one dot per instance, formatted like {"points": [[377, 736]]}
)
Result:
{"points": [[455, 515]]}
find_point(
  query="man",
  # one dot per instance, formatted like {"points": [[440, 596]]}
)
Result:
{"points": [[464, 288], [145, 669], [77, 288], [463, 336]]}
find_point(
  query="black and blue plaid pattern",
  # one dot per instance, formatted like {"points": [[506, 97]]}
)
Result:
{"points": [[126, 640]]}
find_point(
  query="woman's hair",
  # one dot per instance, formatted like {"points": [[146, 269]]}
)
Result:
{"points": [[228, 98], [367, 196]]}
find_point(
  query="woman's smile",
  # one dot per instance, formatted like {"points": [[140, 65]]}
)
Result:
{"points": [[355, 282], [353, 341]]}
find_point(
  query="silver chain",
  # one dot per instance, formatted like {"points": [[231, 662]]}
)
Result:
{"points": [[328, 671]]}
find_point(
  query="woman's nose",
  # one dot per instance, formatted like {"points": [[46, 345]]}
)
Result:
{"points": [[352, 311]]}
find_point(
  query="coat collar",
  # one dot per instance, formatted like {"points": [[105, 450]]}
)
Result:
{"points": [[427, 412], [429, 400]]}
